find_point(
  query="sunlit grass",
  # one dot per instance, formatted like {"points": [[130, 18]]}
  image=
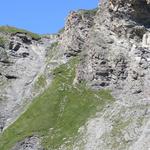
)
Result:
{"points": [[59, 112], [9, 29]]}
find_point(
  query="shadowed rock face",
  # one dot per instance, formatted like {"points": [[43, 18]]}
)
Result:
{"points": [[109, 44], [137, 10]]}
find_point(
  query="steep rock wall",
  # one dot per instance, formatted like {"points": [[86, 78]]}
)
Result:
{"points": [[116, 57], [22, 61]]}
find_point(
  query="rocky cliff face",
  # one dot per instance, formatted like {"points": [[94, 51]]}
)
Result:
{"points": [[113, 44], [76, 31], [22, 61], [117, 57]]}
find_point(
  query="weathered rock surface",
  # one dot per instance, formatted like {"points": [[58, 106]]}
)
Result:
{"points": [[22, 61], [76, 31], [30, 143], [116, 56]]}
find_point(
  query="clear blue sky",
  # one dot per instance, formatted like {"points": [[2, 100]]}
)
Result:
{"points": [[40, 16]]}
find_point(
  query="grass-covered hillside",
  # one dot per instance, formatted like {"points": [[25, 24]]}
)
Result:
{"points": [[58, 113], [14, 30]]}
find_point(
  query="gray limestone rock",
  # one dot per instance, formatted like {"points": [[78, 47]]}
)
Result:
{"points": [[116, 56], [30, 143], [76, 31]]}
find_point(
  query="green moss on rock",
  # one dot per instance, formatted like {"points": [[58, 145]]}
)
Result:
{"points": [[88, 12]]}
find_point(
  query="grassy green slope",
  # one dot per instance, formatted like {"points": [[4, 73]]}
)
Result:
{"points": [[57, 114], [9, 29]]}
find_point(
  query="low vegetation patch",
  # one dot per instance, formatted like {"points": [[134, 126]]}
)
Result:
{"points": [[61, 30], [58, 113], [53, 45], [52, 50], [2, 42], [9, 29], [89, 12], [41, 82]]}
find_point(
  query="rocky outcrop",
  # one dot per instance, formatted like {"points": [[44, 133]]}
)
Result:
{"points": [[116, 56], [76, 31], [117, 48], [30, 143], [22, 61]]}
